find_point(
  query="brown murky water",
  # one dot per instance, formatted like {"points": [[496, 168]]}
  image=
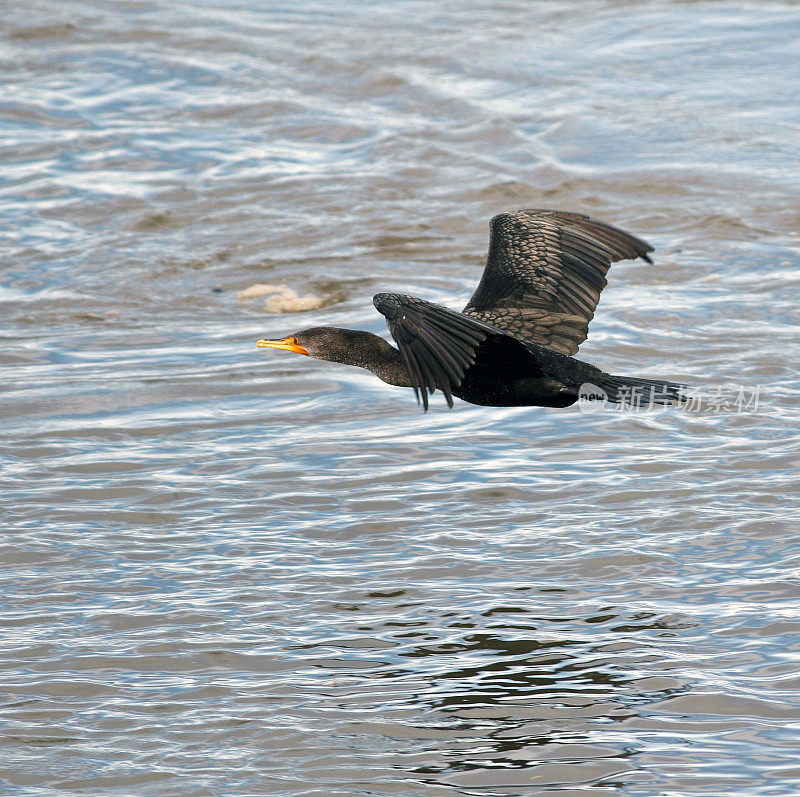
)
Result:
{"points": [[228, 571]]}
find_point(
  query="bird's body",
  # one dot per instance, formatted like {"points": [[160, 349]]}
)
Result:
{"points": [[512, 343]]}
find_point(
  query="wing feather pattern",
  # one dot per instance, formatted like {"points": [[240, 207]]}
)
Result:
{"points": [[438, 345], [545, 272]]}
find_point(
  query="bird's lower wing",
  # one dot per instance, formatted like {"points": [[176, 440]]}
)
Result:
{"points": [[437, 344]]}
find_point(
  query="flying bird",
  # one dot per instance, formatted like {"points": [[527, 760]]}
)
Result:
{"points": [[512, 345]]}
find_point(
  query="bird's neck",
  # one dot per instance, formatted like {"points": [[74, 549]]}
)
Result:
{"points": [[377, 355]]}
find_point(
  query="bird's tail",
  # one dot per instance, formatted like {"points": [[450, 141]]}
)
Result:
{"points": [[635, 392]]}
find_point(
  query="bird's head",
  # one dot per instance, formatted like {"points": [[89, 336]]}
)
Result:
{"points": [[328, 343]]}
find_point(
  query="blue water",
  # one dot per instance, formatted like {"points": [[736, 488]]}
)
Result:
{"points": [[235, 571]]}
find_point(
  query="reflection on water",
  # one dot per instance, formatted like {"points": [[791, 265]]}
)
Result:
{"points": [[229, 571]]}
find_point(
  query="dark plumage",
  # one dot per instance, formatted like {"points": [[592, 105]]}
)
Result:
{"points": [[511, 344]]}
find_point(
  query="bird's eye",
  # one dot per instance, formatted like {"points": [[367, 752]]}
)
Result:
{"points": [[293, 341]]}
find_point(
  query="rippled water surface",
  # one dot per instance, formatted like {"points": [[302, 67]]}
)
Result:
{"points": [[238, 571]]}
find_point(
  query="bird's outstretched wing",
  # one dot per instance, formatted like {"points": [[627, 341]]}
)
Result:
{"points": [[545, 272], [437, 344]]}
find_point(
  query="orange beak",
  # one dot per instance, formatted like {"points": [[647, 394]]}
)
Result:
{"points": [[289, 344]]}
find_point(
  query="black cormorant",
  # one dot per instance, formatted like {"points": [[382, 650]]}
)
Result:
{"points": [[512, 344]]}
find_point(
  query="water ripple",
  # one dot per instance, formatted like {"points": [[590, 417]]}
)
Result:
{"points": [[231, 571]]}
